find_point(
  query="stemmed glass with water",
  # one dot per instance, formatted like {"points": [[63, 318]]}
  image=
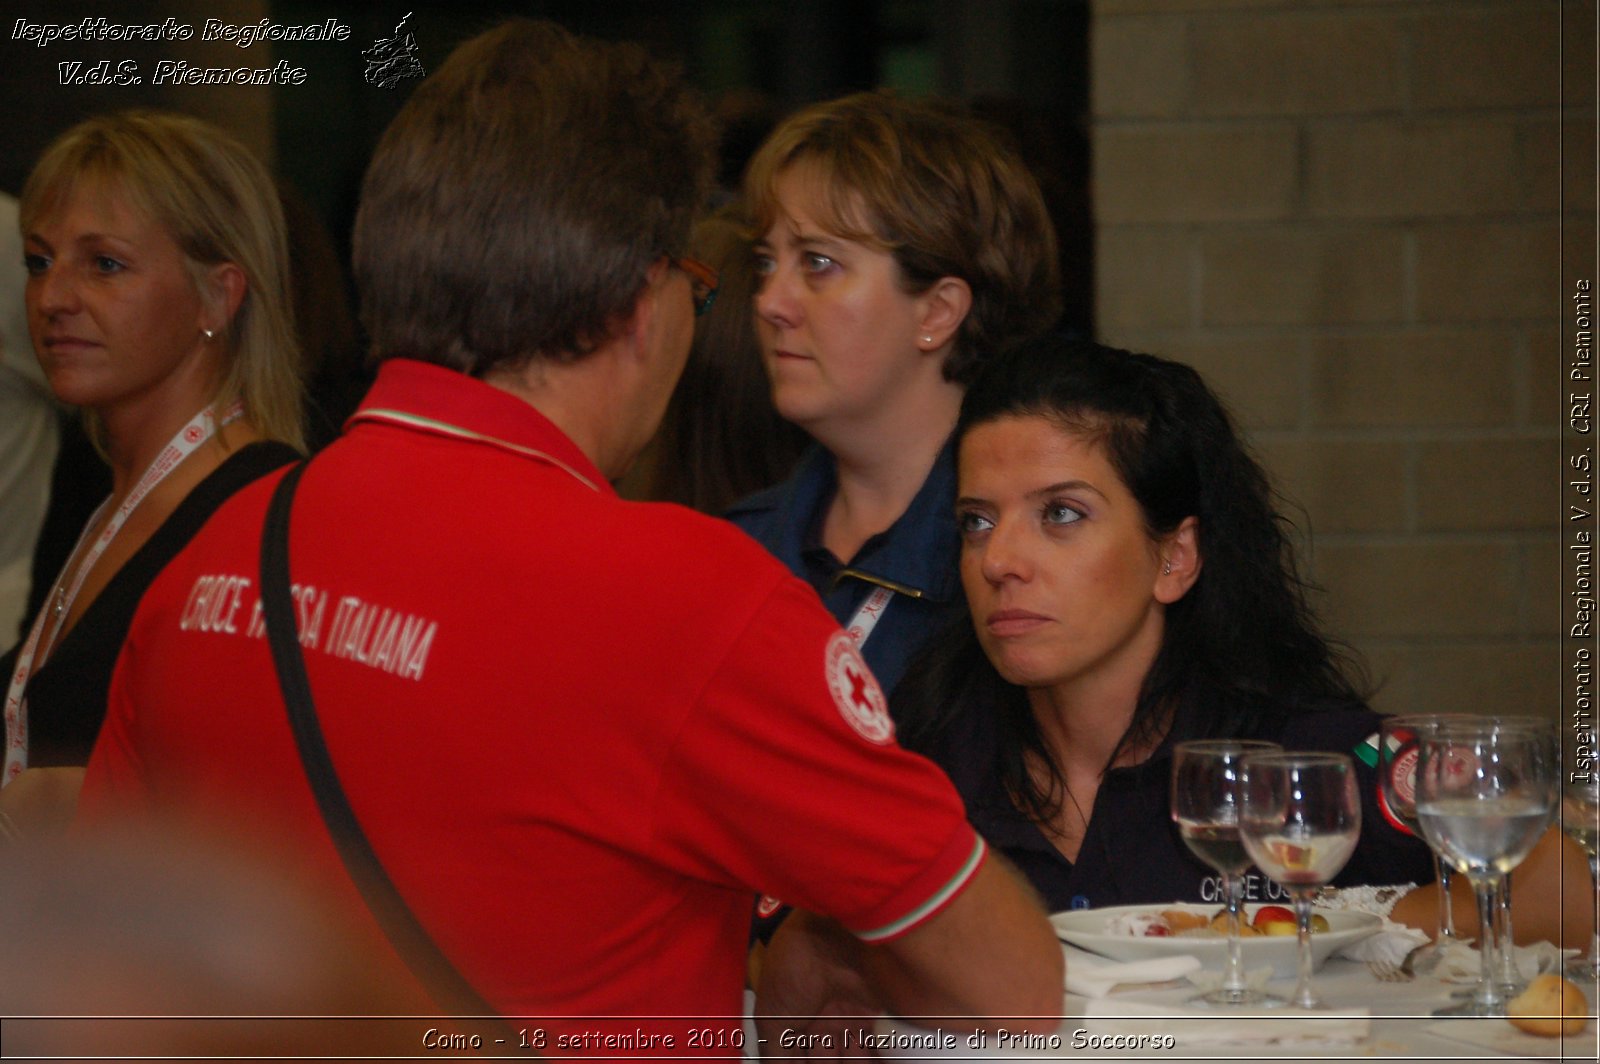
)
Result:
{"points": [[1486, 791], [1205, 805], [1399, 745], [1300, 819]]}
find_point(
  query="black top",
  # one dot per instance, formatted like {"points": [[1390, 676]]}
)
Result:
{"points": [[1131, 852], [67, 696]]}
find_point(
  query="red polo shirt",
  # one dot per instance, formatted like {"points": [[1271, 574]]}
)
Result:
{"points": [[581, 733]]}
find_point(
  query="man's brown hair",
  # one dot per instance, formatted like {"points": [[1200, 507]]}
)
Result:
{"points": [[513, 206]]}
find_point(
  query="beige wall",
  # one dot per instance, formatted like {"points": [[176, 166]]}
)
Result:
{"points": [[1347, 215]]}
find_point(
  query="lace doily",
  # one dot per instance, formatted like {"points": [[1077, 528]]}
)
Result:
{"points": [[1379, 901]]}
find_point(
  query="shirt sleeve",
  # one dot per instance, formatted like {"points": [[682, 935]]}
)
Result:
{"points": [[787, 780]]}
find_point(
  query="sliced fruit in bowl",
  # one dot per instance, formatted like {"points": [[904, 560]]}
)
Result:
{"points": [[1118, 933], [1277, 920], [1274, 920]]}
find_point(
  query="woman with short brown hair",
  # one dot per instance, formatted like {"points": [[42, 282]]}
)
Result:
{"points": [[900, 243]]}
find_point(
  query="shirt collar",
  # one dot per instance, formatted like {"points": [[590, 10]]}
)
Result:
{"points": [[435, 393], [920, 550], [809, 488], [969, 754], [997, 819]]}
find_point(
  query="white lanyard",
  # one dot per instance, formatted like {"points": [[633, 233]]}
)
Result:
{"points": [[444, 428], [54, 613], [868, 614]]}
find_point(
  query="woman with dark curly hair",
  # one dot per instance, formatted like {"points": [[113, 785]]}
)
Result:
{"points": [[1131, 586], [158, 302]]}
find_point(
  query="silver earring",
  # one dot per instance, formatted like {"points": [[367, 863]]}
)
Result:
{"points": [[208, 334], [1166, 569], [928, 340]]}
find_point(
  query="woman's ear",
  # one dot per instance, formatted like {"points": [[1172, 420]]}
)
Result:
{"points": [[1179, 553], [944, 307], [227, 286]]}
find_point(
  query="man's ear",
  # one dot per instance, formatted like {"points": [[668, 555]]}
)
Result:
{"points": [[636, 328], [1179, 553], [944, 307]]}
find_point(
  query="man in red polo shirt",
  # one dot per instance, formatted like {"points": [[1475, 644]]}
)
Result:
{"points": [[581, 734]]}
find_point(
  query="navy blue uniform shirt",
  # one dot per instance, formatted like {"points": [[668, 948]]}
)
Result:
{"points": [[916, 557]]}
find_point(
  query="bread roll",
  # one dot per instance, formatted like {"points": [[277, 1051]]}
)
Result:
{"points": [[1184, 920], [1550, 1006]]}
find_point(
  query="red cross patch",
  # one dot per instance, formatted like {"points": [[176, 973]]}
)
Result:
{"points": [[1403, 779], [856, 691]]}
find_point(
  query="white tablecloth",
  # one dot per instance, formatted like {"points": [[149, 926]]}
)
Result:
{"points": [[1394, 1019]]}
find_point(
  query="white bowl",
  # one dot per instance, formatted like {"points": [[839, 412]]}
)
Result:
{"points": [[1086, 929]]}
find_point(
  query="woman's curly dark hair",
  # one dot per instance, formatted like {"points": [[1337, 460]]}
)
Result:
{"points": [[1241, 649]]}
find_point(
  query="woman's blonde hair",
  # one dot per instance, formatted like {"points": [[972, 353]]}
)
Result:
{"points": [[942, 193], [219, 205]]}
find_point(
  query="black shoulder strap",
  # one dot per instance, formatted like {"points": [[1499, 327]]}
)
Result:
{"points": [[421, 954]]}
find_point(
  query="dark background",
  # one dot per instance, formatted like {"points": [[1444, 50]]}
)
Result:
{"points": [[1020, 62]]}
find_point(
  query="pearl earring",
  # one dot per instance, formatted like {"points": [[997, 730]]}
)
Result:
{"points": [[208, 334], [1166, 569], [927, 340]]}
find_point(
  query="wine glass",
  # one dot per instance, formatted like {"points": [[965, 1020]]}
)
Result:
{"points": [[1507, 977], [1580, 819], [1486, 790], [1205, 805], [1399, 738], [1300, 818]]}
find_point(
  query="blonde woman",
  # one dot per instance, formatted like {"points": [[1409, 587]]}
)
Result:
{"points": [[157, 301]]}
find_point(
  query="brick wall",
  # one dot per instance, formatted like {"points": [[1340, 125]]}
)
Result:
{"points": [[1347, 215]]}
